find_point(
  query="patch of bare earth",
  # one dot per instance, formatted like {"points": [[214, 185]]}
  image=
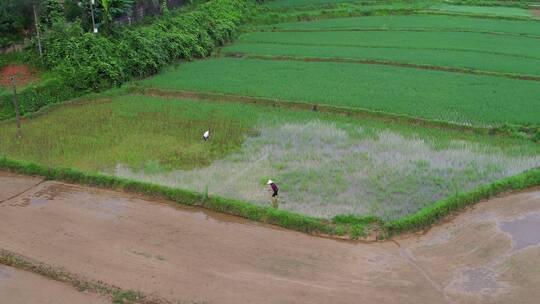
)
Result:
{"points": [[189, 254], [22, 73], [17, 286]]}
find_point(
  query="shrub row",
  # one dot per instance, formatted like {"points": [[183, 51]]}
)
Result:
{"points": [[35, 96], [91, 62], [430, 215]]}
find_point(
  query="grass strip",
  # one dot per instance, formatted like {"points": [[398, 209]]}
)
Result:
{"points": [[384, 62], [430, 215], [116, 294], [530, 132]]}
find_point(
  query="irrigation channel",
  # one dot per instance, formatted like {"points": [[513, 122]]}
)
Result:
{"points": [[487, 254]]}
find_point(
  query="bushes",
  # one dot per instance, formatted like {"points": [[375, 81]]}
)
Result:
{"points": [[87, 62], [93, 62], [34, 97]]}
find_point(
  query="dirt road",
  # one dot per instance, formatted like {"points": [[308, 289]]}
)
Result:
{"points": [[489, 254], [18, 286]]}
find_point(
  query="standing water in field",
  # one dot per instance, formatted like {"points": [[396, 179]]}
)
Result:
{"points": [[325, 170]]}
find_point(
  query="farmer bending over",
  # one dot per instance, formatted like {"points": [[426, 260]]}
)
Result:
{"points": [[206, 135], [275, 190]]}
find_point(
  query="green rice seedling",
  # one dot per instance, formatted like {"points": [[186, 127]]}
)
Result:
{"points": [[465, 42], [415, 22], [462, 62], [459, 98], [484, 10]]}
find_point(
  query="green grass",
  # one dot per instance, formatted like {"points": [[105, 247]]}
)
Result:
{"points": [[484, 10], [462, 42], [416, 22], [147, 135], [443, 96]]}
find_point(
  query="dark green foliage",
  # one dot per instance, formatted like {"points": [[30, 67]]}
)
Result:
{"points": [[86, 62], [15, 17], [51, 11], [93, 62], [354, 219], [35, 96]]}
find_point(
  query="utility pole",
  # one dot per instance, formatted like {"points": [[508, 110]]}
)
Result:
{"points": [[37, 32], [16, 105], [94, 28]]}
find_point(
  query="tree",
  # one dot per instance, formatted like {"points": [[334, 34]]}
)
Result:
{"points": [[51, 11], [16, 18]]}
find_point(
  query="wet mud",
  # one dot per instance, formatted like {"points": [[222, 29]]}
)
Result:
{"points": [[484, 255]]}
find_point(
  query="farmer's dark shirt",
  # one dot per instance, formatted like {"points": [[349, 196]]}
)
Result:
{"points": [[274, 188]]}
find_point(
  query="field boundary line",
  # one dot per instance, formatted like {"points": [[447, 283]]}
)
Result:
{"points": [[385, 63], [414, 30], [300, 16], [389, 47], [344, 111], [80, 283], [22, 192]]}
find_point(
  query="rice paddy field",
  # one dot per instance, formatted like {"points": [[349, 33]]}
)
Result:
{"points": [[469, 66], [325, 164]]}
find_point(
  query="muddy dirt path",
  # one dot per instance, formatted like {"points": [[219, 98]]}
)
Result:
{"points": [[489, 254], [18, 286]]}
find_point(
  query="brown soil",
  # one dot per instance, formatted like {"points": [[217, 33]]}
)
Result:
{"points": [[188, 254], [536, 13], [22, 73], [18, 286], [388, 63]]}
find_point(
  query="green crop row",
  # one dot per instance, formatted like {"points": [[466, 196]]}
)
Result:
{"points": [[451, 97], [416, 22], [460, 42], [447, 60]]}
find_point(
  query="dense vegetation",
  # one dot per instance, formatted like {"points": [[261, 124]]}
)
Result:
{"points": [[83, 61], [88, 61]]}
